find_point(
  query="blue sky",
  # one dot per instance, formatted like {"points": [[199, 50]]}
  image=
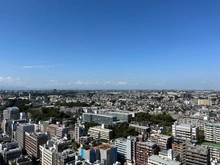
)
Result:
{"points": [[112, 44]]}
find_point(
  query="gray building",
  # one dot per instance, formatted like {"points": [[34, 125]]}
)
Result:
{"points": [[20, 133], [11, 113], [10, 151]]}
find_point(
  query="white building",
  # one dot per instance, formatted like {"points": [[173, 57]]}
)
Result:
{"points": [[186, 131], [212, 132], [157, 160], [47, 155], [99, 132]]}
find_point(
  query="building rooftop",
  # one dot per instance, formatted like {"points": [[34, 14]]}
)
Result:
{"points": [[163, 161]]}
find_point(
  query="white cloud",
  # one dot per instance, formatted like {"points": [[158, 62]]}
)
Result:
{"points": [[79, 82], [36, 66]]}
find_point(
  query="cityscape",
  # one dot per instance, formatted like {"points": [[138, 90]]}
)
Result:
{"points": [[114, 82], [105, 127]]}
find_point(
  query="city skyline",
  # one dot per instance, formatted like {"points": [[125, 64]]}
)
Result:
{"points": [[110, 44]]}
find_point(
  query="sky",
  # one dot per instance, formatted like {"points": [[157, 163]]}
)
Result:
{"points": [[111, 44]]}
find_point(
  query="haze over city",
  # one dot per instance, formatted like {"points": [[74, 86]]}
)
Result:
{"points": [[109, 44]]}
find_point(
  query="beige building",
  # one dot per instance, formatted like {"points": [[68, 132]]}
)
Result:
{"points": [[99, 132], [204, 102]]}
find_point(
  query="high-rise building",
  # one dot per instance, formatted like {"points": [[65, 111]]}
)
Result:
{"points": [[143, 151], [47, 155], [126, 149], [186, 131], [79, 131], [212, 132], [33, 141], [11, 113], [179, 146], [20, 133]]}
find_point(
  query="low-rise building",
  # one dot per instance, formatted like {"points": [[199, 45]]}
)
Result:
{"points": [[99, 132]]}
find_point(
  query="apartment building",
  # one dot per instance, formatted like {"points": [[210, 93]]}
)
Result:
{"points": [[214, 151], [79, 131], [33, 141], [212, 132], [179, 146], [164, 142], [143, 151], [47, 155], [52, 129], [197, 155], [99, 132], [207, 102], [186, 131], [61, 131]]}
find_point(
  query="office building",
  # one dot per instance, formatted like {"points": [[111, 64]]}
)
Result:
{"points": [[101, 119], [143, 151], [32, 143], [197, 155], [11, 113], [20, 133], [212, 132], [186, 131], [99, 132]]}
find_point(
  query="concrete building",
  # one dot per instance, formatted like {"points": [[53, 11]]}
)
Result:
{"points": [[52, 129], [212, 132], [101, 119], [204, 102], [126, 149], [143, 130], [164, 142], [79, 131], [47, 155], [23, 160], [99, 132], [169, 155], [119, 114], [157, 160], [64, 157], [143, 151], [32, 143], [61, 131], [214, 151], [186, 131], [103, 152], [20, 133], [179, 146], [197, 155], [11, 113], [10, 151]]}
